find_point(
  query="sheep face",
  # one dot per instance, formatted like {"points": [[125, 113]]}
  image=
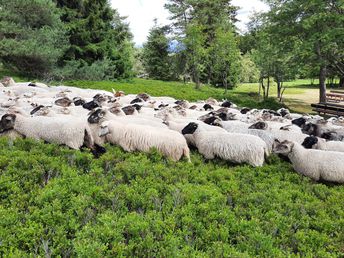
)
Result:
{"points": [[137, 100], [96, 116], [63, 102], [137, 107], [283, 112], [245, 110], [7, 122], [91, 105], [78, 101], [300, 122], [129, 110], [283, 148], [207, 107], [310, 129], [309, 142], [190, 128], [259, 126], [227, 104], [143, 96], [211, 120]]}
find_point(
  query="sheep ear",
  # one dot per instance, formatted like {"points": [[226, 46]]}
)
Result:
{"points": [[277, 141]]}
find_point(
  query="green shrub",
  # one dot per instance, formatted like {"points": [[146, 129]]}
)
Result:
{"points": [[60, 202]]}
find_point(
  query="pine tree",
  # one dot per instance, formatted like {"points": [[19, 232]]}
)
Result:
{"points": [[32, 36], [97, 32], [155, 54]]}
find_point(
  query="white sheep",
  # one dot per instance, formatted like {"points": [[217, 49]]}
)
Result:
{"points": [[313, 142], [237, 148], [134, 137], [315, 164], [61, 129]]}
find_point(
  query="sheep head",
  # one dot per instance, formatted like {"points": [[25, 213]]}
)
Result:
{"points": [[7, 122], [190, 128], [283, 148], [259, 126], [96, 116], [310, 142]]}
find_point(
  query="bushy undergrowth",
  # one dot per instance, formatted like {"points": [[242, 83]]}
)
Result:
{"points": [[179, 90], [56, 201]]}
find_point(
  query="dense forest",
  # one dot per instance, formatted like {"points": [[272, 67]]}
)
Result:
{"points": [[89, 40]]}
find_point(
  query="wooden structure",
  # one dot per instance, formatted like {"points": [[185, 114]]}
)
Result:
{"points": [[335, 96], [328, 108]]}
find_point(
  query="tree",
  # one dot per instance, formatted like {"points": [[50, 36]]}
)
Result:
{"points": [[186, 17], [249, 70], [195, 52], [96, 32], [155, 56], [316, 27], [32, 37], [226, 58]]}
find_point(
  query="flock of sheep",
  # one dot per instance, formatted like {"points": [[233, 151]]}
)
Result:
{"points": [[83, 117]]}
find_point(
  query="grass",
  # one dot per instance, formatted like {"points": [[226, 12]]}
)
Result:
{"points": [[179, 90], [60, 202]]}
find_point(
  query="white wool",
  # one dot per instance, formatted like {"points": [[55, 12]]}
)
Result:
{"points": [[134, 137], [318, 164], [283, 135], [234, 126], [329, 146], [237, 148], [59, 129], [180, 124]]}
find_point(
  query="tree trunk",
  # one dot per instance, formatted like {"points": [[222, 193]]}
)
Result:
{"points": [[268, 88], [263, 87], [197, 80], [225, 83], [322, 80], [341, 82], [279, 88]]}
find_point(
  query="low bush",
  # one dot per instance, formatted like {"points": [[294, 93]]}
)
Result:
{"points": [[60, 202]]}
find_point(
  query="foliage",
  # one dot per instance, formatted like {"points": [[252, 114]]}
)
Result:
{"points": [[226, 58], [32, 37], [316, 28], [249, 70], [195, 51], [194, 25], [155, 56], [97, 33], [79, 70], [61, 202]]}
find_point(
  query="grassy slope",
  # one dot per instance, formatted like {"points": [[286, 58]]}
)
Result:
{"points": [[64, 202], [180, 91]]}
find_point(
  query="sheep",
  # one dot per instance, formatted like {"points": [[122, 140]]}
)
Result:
{"points": [[313, 142], [134, 137], [237, 148], [315, 164], [61, 130], [324, 130], [8, 81], [179, 125]]}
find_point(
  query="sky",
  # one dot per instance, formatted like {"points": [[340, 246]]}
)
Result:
{"points": [[141, 14]]}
